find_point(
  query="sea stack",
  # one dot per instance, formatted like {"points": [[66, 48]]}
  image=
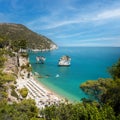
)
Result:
{"points": [[64, 61]]}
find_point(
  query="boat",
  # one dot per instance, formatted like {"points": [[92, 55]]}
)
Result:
{"points": [[57, 75], [64, 61], [36, 73], [40, 59]]}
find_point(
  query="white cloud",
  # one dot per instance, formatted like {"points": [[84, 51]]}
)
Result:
{"points": [[53, 21], [108, 14], [70, 35], [96, 45], [61, 23], [54, 24], [101, 39]]}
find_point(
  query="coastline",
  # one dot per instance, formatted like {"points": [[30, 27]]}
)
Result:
{"points": [[49, 90], [40, 93], [41, 84], [64, 96]]}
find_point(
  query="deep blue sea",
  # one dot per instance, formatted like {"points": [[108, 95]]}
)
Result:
{"points": [[88, 63]]}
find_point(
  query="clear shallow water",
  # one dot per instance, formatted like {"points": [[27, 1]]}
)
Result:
{"points": [[88, 63]]}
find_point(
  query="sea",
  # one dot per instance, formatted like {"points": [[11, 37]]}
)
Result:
{"points": [[87, 63]]}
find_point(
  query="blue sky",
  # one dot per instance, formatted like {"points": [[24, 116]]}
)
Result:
{"points": [[67, 22]]}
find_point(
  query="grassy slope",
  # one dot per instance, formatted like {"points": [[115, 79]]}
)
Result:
{"points": [[20, 32]]}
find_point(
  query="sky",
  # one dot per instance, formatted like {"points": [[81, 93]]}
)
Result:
{"points": [[67, 22]]}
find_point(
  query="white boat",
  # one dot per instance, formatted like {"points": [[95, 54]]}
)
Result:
{"points": [[57, 75], [36, 73], [64, 61]]}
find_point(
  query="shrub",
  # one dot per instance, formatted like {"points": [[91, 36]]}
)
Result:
{"points": [[13, 93], [23, 92]]}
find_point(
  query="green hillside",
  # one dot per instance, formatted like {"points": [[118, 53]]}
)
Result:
{"points": [[15, 32]]}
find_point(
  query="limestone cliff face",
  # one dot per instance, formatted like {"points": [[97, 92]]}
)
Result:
{"points": [[20, 32]]}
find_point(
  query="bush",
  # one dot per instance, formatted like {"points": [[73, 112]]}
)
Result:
{"points": [[4, 94], [13, 93], [12, 87], [15, 82], [23, 92], [9, 77]]}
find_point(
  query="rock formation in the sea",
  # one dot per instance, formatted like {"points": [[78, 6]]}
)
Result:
{"points": [[64, 61], [15, 32]]}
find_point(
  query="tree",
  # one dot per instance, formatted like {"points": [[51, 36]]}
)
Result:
{"points": [[96, 88], [112, 96], [78, 111], [2, 58], [24, 110], [19, 44], [115, 70], [3, 41]]}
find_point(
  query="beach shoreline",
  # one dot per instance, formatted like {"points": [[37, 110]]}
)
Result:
{"points": [[48, 89], [62, 95], [36, 90]]}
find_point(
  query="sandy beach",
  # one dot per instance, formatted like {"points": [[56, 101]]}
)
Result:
{"points": [[37, 91]]}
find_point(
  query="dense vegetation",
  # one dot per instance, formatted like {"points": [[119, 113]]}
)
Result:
{"points": [[17, 33], [103, 102], [24, 110], [9, 110], [78, 111]]}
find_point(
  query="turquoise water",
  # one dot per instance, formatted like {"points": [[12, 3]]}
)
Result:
{"points": [[88, 63]]}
